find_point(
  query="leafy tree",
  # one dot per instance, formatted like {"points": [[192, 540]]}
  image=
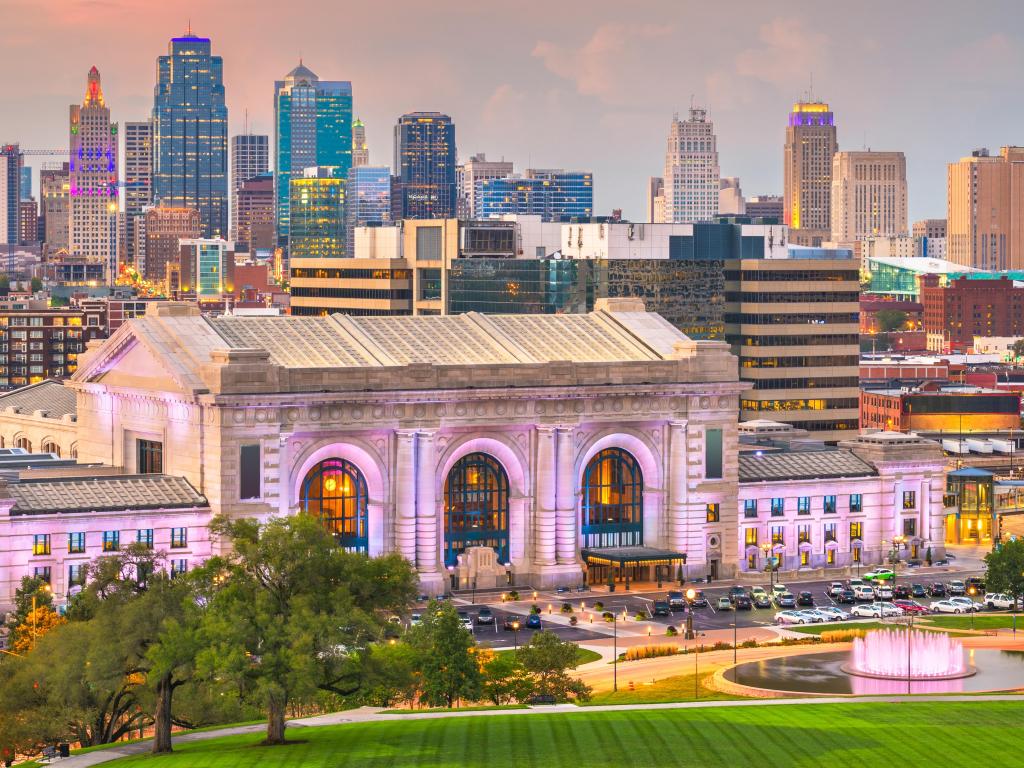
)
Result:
{"points": [[32, 591], [294, 615], [891, 320], [5, 285], [36, 624], [37, 285], [391, 674], [1018, 348], [1006, 568], [549, 659], [505, 679], [446, 649]]}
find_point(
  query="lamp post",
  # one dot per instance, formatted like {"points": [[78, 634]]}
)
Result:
{"points": [[689, 635], [615, 652], [515, 633], [766, 548]]}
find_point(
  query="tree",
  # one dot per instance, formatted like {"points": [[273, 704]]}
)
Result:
{"points": [[33, 611], [37, 285], [891, 320], [293, 614], [1018, 348], [1006, 568], [505, 679], [548, 659], [5, 285], [36, 624], [446, 650], [391, 674]]}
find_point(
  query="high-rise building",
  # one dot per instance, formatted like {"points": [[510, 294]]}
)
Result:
{"points": [[807, 172], [138, 180], [692, 174], [730, 197], [869, 195], [655, 200], [478, 168], [554, 195], [28, 222], [250, 157], [163, 228], [26, 183], [206, 268], [190, 133], [929, 228], [312, 128], [316, 227], [367, 200], [425, 164], [985, 210], [11, 161], [570, 194], [254, 211], [94, 176], [360, 149], [55, 201], [765, 207]]}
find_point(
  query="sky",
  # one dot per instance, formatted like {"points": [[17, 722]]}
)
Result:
{"points": [[561, 83]]}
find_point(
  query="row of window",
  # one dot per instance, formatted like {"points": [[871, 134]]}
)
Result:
{"points": [[76, 572], [111, 541], [822, 383], [803, 505], [829, 531], [802, 361]]}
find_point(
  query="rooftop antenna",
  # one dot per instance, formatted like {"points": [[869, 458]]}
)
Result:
{"points": [[810, 93], [189, 32], [246, 121]]}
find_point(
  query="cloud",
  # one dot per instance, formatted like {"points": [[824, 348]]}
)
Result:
{"points": [[506, 105], [788, 53], [610, 65], [984, 59]]}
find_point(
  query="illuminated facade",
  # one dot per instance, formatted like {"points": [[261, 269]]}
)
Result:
{"points": [[250, 157], [554, 195], [869, 196], [691, 178], [254, 214], [312, 128], [985, 210], [467, 176], [425, 164], [951, 408], [316, 226], [93, 179], [207, 267], [190, 133], [367, 200], [138, 182], [360, 150], [163, 228], [807, 172]]}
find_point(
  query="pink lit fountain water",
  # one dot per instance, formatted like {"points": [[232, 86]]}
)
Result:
{"points": [[908, 655]]}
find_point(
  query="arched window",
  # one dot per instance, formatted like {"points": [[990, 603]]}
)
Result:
{"points": [[51, 447], [475, 507], [23, 442], [335, 491], [612, 505]]}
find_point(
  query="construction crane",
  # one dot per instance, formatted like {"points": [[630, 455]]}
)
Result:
{"points": [[9, 148]]}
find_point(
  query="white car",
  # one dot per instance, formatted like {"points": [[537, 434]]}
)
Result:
{"points": [[835, 588], [813, 616], [792, 617], [416, 619], [998, 600], [779, 589], [864, 592], [756, 592], [875, 610], [831, 613], [966, 603], [883, 592], [947, 606]]}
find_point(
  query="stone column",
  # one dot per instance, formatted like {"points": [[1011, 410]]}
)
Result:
{"points": [[426, 504], [405, 495], [565, 497], [678, 486], [545, 503]]}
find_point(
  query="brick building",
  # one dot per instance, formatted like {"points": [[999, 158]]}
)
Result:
{"points": [[936, 408], [37, 344], [965, 308]]}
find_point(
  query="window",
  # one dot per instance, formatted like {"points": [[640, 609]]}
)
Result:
{"points": [[178, 567], [856, 502], [804, 534], [428, 243], [750, 508], [111, 541], [778, 536], [910, 499], [76, 574], [76, 543], [335, 491], [41, 544], [909, 526], [830, 505], [750, 537], [830, 532], [830, 556], [856, 531], [778, 507], [612, 500], [42, 572], [803, 505], [751, 562], [856, 554], [805, 557], [150, 459], [144, 536], [713, 513], [250, 470], [713, 454], [179, 538]]}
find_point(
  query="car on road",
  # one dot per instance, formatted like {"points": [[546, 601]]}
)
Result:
{"points": [[937, 589], [533, 621], [791, 617], [724, 604], [742, 603], [831, 613], [485, 616], [698, 600], [910, 606], [942, 561], [901, 592], [967, 603], [512, 623], [676, 600], [918, 590], [661, 608], [957, 587], [778, 589], [863, 592], [883, 592], [786, 600], [875, 610], [761, 600], [805, 599], [880, 574], [467, 622], [947, 606], [996, 600], [846, 597]]}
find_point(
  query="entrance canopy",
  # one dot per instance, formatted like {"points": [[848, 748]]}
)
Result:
{"points": [[624, 557]]}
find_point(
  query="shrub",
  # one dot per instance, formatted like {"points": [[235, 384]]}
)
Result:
{"points": [[748, 644], [650, 652], [720, 646], [513, 595], [640, 616], [573, 621], [841, 635], [608, 616], [671, 631], [566, 608], [598, 606]]}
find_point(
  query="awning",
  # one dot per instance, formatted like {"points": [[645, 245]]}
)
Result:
{"points": [[626, 556]]}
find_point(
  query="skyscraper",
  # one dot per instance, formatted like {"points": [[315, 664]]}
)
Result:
{"points": [[26, 183], [425, 164], [317, 212], [93, 177], [163, 228], [360, 150], [730, 197], [985, 210], [655, 200], [367, 200], [54, 198], [250, 157], [254, 212], [869, 195], [807, 172], [477, 168], [569, 194], [138, 180], [691, 170], [312, 128], [190, 133], [11, 161]]}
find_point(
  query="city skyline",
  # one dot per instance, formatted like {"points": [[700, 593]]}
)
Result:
{"points": [[591, 80]]}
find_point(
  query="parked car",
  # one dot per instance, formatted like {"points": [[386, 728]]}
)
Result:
{"points": [[761, 600], [533, 621], [831, 613], [485, 616], [947, 606], [805, 599], [876, 610], [910, 606], [415, 619], [756, 591], [957, 587], [846, 597], [813, 617], [967, 603], [976, 583], [883, 591], [791, 617], [854, 583], [661, 608], [880, 574], [835, 588], [863, 592], [698, 600], [735, 592], [996, 600], [938, 589], [778, 589], [901, 592], [676, 601], [786, 600], [742, 603], [512, 623], [941, 561], [724, 604], [467, 622], [918, 590]]}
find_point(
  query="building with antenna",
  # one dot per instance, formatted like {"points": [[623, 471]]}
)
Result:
{"points": [[250, 157], [691, 178], [807, 172]]}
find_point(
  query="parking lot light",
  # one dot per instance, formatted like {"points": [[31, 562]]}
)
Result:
{"points": [[549, 609]]}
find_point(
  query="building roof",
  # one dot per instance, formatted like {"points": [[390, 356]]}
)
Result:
{"points": [[49, 396], [801, 465], [102, 494], [922, 264]]}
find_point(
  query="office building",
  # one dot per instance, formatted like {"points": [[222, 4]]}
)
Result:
{"points": [[316, 225], [511, 196], [94, 178], [963, 308], [794, 324], [312, 128], [367, 200], [250, 157], [692, 174], [425, 165], [360, 149], [138, 181], [190, 133], [985, 210], [163, 228], [569, 194], [929, 228], [55, 205], [953, 408], [807, 173], [869, 196], [28, 222], [730, 197], [206, 268], [11, 161], [655, 200], [467, 175], [254, 215], [26, 183], [42, 344], [765, 207]]}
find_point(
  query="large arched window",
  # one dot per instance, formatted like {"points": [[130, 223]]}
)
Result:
{"points": [[613, 501], [335, 491], [475, 507]]}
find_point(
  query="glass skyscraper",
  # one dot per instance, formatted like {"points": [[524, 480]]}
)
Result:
{"points": [[554, 195], [570, 194], [367, 200], [425, 164], [312, 127], [317, 215], [190, 133]]}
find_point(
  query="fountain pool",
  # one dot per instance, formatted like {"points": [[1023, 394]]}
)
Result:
{"points": [[908, 654]]}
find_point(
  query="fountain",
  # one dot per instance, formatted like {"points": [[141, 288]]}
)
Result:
{"points": [[892, 654]]}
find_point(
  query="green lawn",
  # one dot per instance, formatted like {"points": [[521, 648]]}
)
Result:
{"points": [[583, 655], [677, 688], [817, 629], [480, 708], [983, 621], [801, 736]]}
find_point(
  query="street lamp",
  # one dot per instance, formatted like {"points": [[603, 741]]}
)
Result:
{"points": [[615, 652], [766, 548], [515, 633], [689, 635]]}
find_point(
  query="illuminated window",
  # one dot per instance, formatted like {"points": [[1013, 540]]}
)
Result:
{"points": [[111, 541], [750, 537], [76, 543], [830, 556], [778, 534], [910, 499], [856, 531], [41, 544], [612, 504], [335, 491], [713, 513], [476, 507]]}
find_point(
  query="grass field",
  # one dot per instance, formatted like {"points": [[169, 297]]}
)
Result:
{"points": [[803, 736], [668, 689], [583, 655], [817, 629], [982, 621]]}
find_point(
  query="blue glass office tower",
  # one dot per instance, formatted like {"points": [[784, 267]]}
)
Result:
{"points": [[425, 164], [554, 195], [368, 200], [570, 193], [312, 128], [190, 133]]}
